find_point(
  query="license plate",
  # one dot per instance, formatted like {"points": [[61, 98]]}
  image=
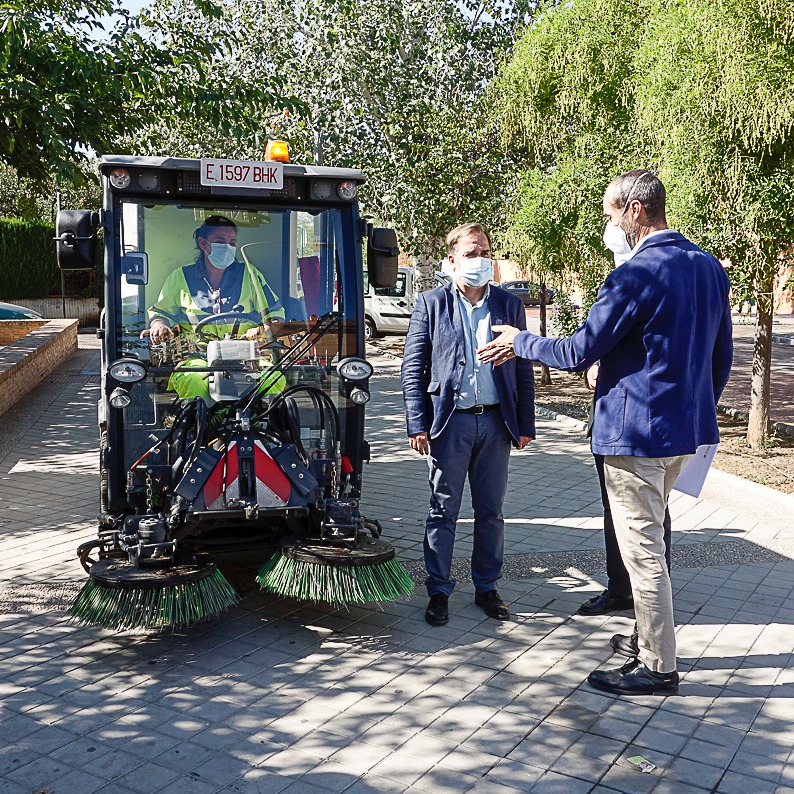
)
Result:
{"points": [[242, 173]]}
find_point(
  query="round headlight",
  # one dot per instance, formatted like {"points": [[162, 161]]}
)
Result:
{"points": [[120, 178], [354, 368], [127, 370], [120, 398], [347, 190], [359, 396]]}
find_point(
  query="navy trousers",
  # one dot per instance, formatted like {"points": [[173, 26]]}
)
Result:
{"points": [[618, 582], [477, 447]]}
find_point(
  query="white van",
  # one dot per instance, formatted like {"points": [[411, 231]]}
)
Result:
{"points": [[388, 309]]}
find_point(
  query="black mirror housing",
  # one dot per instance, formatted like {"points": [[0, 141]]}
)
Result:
{"points": [[135, 266], [75, 236], [382, 254]]}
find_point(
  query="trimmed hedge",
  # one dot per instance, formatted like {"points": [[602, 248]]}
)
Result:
{"points": [[28, 265]]}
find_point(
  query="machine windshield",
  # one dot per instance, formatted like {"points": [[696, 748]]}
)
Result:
{"points": [[222, 304]]}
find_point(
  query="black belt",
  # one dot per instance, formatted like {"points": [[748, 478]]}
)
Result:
{"points": [[477, 409]]}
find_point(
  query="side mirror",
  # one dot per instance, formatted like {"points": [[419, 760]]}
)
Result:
{"points": [[75, 236], [135, 266], [382, 253]]}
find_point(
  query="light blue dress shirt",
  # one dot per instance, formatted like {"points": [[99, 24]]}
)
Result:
{"points": [[477, 386]]}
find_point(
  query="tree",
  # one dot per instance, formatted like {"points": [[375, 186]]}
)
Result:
{"points": [[561, 115], [67, 86], [723, 128], [550, 228], [389, 86], [701, 91], [31, 199]]}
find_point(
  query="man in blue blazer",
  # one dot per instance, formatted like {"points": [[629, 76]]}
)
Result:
{"points": [[661, 328], [465, 416]]}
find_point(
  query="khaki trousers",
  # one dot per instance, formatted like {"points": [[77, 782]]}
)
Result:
{"points": [[638, 489]]}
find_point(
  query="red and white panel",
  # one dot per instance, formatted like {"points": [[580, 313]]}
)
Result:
{"points": [[272, 486]]}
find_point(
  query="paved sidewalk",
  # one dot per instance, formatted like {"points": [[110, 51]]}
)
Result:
{"points": [[279, 696]]}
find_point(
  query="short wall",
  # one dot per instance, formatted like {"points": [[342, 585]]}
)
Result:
{"points": [[32, 350], [12, 330]]}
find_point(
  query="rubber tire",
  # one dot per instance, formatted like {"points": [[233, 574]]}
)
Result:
{"points": [[370, 332]]}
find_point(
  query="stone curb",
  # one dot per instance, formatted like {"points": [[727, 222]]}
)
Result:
{"points": [[782, 428], [569, 421]]}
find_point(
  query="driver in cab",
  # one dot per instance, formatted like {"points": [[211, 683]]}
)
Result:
{"points": [[215, 285]]}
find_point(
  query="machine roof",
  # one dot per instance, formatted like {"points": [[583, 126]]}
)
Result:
{"points": [[190, 164]]}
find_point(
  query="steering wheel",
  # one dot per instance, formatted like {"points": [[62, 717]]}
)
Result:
{"points": [[224, 317]]}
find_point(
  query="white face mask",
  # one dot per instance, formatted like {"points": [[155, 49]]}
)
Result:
{"points": [[475, 271], [616, 241], [615, 238], [221, 255]]}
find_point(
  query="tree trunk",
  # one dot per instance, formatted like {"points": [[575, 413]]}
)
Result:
{"points": [[425, 266], [758, 424], [545, 373]]}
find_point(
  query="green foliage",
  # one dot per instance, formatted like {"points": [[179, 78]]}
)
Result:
{"points": [[570, 75], [555, 225], [31, 199], [28, 268], [70, 83], [700, 91], [564, 103], [566, 317], [395, 88], [721, 77]]}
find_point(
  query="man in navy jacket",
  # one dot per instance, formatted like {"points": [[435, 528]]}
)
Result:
{"points": [[465, 416], [661, 328]]}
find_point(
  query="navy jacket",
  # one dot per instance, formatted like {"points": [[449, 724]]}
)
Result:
{"points": [[434, 358], [661, 328]]}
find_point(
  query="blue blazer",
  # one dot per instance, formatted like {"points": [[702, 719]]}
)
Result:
{"points": [[434, 359], [661, 328]]}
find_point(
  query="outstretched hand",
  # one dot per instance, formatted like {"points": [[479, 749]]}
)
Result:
{"points": [[500, 349]]}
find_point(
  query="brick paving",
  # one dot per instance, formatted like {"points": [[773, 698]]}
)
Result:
{"points": [[278, 696]]}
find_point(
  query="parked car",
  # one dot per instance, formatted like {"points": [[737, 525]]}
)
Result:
{"points": [[528, 292], [10, 311], [388, 310]]}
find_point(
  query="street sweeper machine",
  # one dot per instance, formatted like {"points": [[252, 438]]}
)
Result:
{"points": [[233, 386]]}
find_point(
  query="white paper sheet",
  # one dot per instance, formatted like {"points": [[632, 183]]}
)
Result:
{"points": [[693, 475]]}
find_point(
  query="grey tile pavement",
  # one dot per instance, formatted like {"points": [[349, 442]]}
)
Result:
{"points": [[278, 696]]}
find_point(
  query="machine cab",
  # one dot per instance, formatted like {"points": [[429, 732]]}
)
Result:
{"points": [[230, 282]]}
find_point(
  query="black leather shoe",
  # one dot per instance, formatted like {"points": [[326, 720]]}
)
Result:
{"points": [[493, 605], [634, 678], [437, 612], [625, 645], [601, 604]]}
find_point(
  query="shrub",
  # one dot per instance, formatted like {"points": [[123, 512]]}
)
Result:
{"points": [[565, 317], [28, 266]]}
